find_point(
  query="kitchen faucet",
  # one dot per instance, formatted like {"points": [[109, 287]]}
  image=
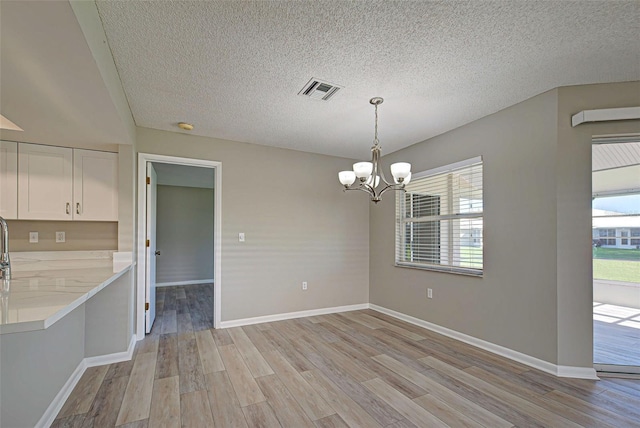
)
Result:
{"points": [[5, 262]]}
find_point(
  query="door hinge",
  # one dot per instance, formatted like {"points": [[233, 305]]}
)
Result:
{"points": [[148, 180], [146, 306], [148, 243]]}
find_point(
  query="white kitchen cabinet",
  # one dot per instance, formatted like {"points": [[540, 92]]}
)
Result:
{"points": [[8, 180], [60, 183], [45, 182], [95, 185]]}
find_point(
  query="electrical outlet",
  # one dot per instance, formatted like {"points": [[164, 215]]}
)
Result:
{"points": [[429, 293], [33, 237], [304, 285], [60, 237]]}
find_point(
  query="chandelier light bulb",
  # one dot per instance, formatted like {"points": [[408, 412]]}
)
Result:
{"points": [[347, 178], [400, 170], [406, 180], [363, 169], [371, 182]]}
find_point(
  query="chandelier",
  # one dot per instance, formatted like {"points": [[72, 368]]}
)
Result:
{"points": [[367, 176]]}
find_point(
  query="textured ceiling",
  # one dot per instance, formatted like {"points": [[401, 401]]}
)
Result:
{"points": [[234, 68]]}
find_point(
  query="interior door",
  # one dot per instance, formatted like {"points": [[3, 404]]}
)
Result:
{"points": [[150, 282]]}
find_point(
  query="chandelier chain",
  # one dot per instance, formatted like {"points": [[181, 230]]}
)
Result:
{"points": [[375, 139]]}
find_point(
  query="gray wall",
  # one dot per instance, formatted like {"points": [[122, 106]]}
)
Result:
{"points": [[536, 292], [299, 225], [573, 160], [126, 197], [514, 303], [184, 234]]}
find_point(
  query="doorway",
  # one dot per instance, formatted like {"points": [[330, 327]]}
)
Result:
{"points": [[176, 178], [616, 254]]}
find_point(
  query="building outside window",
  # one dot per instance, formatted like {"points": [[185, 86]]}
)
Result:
{"points": [[624, 234]]}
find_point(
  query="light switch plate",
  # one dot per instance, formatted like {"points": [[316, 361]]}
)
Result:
{"points": [[241, 237], [60, 237], [33, 237]]}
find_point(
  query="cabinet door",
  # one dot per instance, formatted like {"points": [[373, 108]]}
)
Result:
{"points": [[8, 180], [95, 185], [45, 182]]}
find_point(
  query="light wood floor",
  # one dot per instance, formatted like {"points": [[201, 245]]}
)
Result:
{"points": [[355, 369], [616, 335]]}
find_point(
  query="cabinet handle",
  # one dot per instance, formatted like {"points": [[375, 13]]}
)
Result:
{"points": [[77, 207], [68, 208]]}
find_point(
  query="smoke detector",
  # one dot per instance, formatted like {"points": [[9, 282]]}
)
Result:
{"points": [[317, 89]]}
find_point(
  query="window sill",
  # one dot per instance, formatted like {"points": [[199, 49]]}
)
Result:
{"points": [[456, 271]]}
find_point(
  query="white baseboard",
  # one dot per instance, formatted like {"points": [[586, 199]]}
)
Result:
{"points": [[54, 408], [291, 315], [52, 411], [545, 366], [577, 372], [116, 357], [195, 281]]}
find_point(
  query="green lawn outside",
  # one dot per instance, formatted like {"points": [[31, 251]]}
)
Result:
{"points": [[616, 270], [616, 254], [473, 255]]}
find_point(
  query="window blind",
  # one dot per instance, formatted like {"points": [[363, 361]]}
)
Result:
{"points": [[439, 219]]}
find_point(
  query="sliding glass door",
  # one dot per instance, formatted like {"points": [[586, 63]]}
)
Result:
{"points": [[616, 257]]}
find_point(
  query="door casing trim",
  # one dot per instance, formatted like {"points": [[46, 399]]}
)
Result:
{"points": [[143, 158]]}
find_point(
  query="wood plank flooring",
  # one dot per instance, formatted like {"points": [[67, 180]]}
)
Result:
{"points": [[616, 335], [356, 369]]}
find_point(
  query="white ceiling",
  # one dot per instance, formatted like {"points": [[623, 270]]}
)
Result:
{"points": [[616, 155], [616, 167], [50, 84], [233, 68], [616, 180]]}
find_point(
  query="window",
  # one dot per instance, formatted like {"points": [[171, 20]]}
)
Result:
{"points": [[439, 219], [604, 233], [607, 232]]}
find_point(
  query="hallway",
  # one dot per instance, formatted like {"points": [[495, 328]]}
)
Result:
{"points": [[183, 308]]}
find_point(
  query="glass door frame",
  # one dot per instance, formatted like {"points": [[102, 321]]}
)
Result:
{"points": [[603, 368]]}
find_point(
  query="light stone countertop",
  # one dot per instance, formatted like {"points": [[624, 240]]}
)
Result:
{"points": [[45, 286]]}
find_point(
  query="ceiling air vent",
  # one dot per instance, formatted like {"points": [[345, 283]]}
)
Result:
{"points": [[319, 90]]}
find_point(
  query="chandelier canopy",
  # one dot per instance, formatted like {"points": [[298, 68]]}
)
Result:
{"points": [[369, 177]]}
